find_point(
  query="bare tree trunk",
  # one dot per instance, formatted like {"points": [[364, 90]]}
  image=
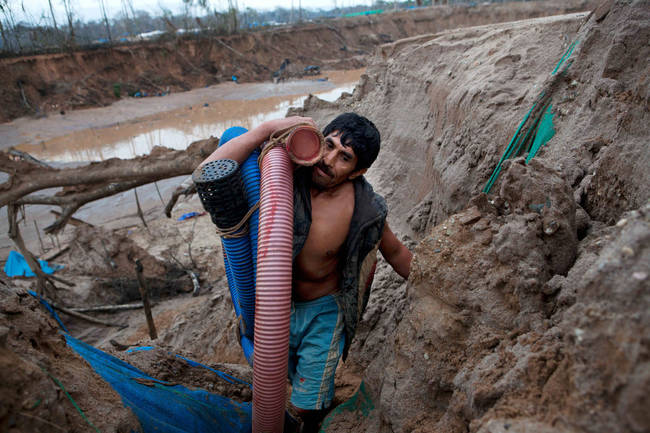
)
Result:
{"points": [[11, 21], [56, 28], [105, 18], [232, 10], [70, 15]]}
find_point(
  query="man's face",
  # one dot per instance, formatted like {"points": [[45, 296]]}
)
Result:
{"points": [[338, 164]]}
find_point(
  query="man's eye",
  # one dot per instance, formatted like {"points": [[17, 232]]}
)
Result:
{"points": [[329, 145]]}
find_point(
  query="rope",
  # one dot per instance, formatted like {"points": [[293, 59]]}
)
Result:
{"points": [[276, 139], [74, 403], [233, 232]]}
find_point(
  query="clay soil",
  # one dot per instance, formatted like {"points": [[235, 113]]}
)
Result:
{"points": [[54, 82], [527, 309]]}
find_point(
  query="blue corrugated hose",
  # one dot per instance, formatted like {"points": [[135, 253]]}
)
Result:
{"points": [[241, 253]]}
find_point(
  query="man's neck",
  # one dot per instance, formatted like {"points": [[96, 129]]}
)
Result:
{"points": [[329, 192]]}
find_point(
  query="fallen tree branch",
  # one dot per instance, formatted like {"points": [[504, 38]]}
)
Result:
{"points": [[74, 221], [140, 214], [87, 318], [27, 157], [52, 254], [61, 280], [27, 177], [131, 173], [108, 308], [177, 193], [159, 194], [42, 280], [119, 346]]}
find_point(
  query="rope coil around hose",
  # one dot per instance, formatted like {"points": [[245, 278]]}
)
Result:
{"points": [[279, 139]]}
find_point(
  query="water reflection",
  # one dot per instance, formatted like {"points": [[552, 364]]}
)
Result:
{"points": [[175, 129]]}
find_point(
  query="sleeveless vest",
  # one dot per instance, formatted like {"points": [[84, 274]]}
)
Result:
{"points": [[359, 252]]}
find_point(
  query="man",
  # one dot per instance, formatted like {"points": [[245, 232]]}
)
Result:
{"points": [[339, 223]]}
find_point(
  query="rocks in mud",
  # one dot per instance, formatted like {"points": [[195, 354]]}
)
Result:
{"points": [[538, 193]]}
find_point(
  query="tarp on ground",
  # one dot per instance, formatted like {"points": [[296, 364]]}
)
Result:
{"points": [[160, 406], [163, 407], [16, 266]]}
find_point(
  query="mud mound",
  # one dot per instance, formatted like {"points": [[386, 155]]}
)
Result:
{"points": [[506, 345], [448, 104], [109, 258], [505, 253], [205, 327], [33, 358], [163, 365]]}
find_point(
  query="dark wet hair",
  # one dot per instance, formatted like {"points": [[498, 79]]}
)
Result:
{"points": [[358, 133]]}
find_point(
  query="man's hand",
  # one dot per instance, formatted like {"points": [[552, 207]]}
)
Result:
{"points": [[287, 122], [395, 252]]}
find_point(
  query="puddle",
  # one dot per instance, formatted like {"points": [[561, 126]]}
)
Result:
{"points": [[179, 127]]}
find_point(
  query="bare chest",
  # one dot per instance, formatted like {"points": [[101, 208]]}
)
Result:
{"points": [[331, 218]]}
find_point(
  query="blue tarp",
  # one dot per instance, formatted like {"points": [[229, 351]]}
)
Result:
{"points": [[16, 266], [162, 407]]}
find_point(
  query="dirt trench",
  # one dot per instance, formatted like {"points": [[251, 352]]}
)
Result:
{"points": [[36, 85], [527, 308]]}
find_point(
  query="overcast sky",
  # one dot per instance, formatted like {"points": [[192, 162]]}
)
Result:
{"points": [[89, 9]]}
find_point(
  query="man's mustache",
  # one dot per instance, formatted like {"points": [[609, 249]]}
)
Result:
{"points": [[325, 169]]}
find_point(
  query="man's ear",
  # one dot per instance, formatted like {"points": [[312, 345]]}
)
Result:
{"points": [[357, 173]]}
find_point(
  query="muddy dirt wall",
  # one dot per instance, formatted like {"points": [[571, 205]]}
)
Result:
{"points": [[40, 376], [44, 83], [526, 308]]}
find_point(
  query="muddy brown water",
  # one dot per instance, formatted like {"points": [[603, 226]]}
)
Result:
{"points": [[133, 127]]}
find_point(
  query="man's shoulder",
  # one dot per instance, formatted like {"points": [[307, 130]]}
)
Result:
{"points": [[368, 201]]}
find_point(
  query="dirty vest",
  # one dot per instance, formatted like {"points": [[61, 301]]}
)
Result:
{"points": [[359, 251]]}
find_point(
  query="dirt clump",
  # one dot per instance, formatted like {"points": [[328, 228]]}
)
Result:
{"points": [[164, 365], [37, 366], [108, 257], [507, 345]]}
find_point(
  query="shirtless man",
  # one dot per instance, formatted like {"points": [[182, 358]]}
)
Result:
{"points": [[339, 224]]}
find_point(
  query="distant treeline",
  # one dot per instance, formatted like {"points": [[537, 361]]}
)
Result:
{"points": [[47, 34]]}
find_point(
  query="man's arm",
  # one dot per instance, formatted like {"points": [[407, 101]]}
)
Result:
{"points": [[239, 148], [395, 252]]}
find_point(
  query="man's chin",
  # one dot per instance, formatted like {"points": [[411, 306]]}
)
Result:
{"points": [[320, 182]]}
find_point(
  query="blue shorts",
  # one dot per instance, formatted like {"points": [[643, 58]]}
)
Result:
{"points": [[315, 346]]}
